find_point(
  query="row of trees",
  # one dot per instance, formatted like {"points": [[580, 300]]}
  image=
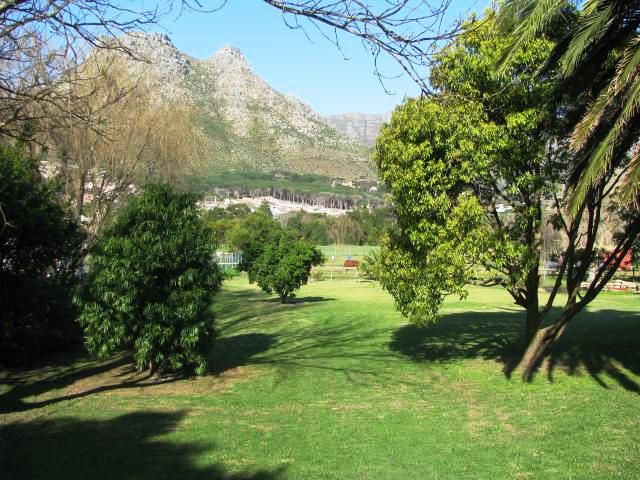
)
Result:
{"points": [[357, 227]]}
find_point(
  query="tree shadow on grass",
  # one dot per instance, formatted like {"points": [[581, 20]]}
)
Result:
{"points": [[127, 446], [23, 385], [603, 343], [301, 300], [238, 350]]}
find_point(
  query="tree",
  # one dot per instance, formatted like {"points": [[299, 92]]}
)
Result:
{"points": [[598, 59], [284, 266], [253, 234], [42, 43], [455, 160], [40, 250], [136, 136], [151, 282]]}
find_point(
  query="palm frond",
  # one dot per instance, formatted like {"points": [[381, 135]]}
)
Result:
{"points": [[591, 119], [626, 70], [598, 17], [630, 185], [533, 18], [628, 64], [600, 161]]}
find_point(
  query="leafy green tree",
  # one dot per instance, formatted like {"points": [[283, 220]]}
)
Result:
{"points": [[284, 266], [253, 234], [311, 227], [455, 160], [598, 59], [40, 250], [151, 282]]}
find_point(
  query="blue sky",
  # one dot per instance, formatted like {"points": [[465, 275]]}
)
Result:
{"points": [[314, 71]]}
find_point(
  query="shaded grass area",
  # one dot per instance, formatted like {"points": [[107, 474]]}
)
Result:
{"points": [[338, 385]]}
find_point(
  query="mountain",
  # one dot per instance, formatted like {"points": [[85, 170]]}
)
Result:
{"points": [[249, 126], [361, 127]]}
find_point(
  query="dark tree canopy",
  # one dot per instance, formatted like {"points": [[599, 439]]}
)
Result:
{"points": [[151, 282], [40, 248]]}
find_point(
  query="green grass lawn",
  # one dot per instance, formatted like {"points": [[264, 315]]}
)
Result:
{"points": [[339, 386]]}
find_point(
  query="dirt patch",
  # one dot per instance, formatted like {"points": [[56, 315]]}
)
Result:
{"points": [[124, 381]]}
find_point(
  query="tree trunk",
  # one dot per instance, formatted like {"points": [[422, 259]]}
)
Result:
{"points": [[532, 325], [539, 343], [532, 304]]}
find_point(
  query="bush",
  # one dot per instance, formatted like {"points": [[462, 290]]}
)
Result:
{"points": [[317, 275], [284, 267], [151, 281], [40, 249], [230, 273]]}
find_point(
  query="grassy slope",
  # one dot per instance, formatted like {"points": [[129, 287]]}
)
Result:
{"points": [[339, 386]]}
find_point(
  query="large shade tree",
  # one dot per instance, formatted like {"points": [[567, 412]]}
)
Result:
{"points": [[455, 160]]}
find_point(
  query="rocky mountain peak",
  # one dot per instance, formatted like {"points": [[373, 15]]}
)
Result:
{"points": [[230, 50], [247, 122]]}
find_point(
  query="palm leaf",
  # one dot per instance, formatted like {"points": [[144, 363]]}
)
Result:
{"points": [[630, 185], [625, 72], [592, 25], [600, 161], [532, 17]]}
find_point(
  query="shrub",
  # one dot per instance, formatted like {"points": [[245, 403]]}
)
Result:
{"points": [[284, 267], [151, 281], [230, 273]]}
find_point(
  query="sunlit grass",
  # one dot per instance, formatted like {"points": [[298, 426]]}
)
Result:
{"points": [[338, 385]]}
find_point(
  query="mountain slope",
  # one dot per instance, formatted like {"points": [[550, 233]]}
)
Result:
{"points": [[248, 124], [360, 127]]}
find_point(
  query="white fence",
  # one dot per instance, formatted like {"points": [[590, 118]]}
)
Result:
{"points": [[227, 260]]}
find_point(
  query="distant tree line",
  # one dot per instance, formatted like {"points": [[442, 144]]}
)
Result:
{"points": [[357, 227]]}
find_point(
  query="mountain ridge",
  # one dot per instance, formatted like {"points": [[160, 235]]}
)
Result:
{"points": [[248, 124]]}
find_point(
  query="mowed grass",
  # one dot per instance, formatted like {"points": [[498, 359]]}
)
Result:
{"points": [[339, 386]]}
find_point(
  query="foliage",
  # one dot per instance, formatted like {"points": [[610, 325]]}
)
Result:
{"points": [[151, 283], [253, 234], [230, 273], [371, 264], [40, 249], [453, 160], [598, 59], [221, 220], [284, 266]]}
